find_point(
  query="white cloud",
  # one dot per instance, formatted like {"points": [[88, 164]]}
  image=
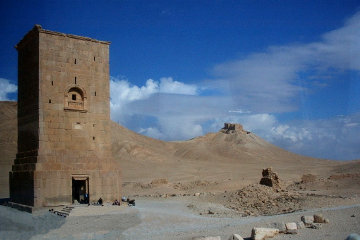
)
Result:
{"points": [[123, 93], [5, 88], [168, 85], [270, 81], [239, 111], [180, 127], [152, 132]]}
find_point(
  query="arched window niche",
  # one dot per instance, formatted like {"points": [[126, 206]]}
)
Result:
{"points": [[75, 99]]}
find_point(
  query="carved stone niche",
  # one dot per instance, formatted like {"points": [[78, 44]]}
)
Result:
{"points": [[75, 99]]}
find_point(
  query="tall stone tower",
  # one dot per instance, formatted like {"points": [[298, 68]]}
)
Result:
{"points": [[64, 146]]}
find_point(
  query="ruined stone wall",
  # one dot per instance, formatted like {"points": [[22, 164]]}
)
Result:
{"points": [[74, 120]]}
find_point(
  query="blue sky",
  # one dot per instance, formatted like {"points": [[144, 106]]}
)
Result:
{"points": [[289, 71]]}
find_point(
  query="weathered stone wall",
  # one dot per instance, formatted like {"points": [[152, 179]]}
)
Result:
{"points": [[28, 94], [8, 143], [73, 120]]}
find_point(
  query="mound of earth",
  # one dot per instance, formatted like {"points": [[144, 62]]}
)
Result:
{"points": [[257, 199]]}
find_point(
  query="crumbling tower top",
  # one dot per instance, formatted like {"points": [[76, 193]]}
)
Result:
{"points": [[233, 128]]}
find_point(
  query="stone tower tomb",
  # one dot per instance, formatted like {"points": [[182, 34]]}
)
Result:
{"points": [[64, 143]]}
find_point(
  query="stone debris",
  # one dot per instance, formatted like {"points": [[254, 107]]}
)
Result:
{"points": [[256, 199], [263, 233], [314, 226], [300, 225], [207, 238], [235, 237], [318, 218], [291, 226], [279, 225], [270, 178], [307, 220], [314, 222]]}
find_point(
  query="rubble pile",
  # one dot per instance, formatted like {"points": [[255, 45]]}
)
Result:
{"points": [[257, 199]]}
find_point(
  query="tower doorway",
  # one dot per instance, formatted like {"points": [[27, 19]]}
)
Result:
{"points": [[80, 190]]}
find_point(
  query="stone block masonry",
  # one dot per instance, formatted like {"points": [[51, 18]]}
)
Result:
{"points": [[63, 121]]}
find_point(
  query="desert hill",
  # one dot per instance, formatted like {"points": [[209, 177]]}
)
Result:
{"points": [[214, 162], [228, 159]]}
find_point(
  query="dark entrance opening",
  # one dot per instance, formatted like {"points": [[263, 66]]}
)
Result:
{"points": [[80, 190]]}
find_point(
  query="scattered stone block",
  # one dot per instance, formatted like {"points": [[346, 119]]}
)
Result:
{"points": [[279, 225], [291, 226], [353, 236], [196, 194], [236, 237], [314, 226], [308, 220], [300, 225], [207, 238], [263, 233], [319, 218]]}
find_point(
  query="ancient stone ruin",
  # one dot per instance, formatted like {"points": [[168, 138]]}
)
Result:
{"points": [[270, 178], [64, 149], [232, 128]]}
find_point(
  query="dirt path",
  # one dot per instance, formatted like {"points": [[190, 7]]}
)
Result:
{"points": [[162, 219]]}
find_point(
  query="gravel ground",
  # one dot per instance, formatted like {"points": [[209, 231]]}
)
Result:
{"points": [[163, 219]]}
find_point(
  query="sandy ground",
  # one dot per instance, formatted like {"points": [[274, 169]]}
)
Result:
{"points": [[164, 219]]}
